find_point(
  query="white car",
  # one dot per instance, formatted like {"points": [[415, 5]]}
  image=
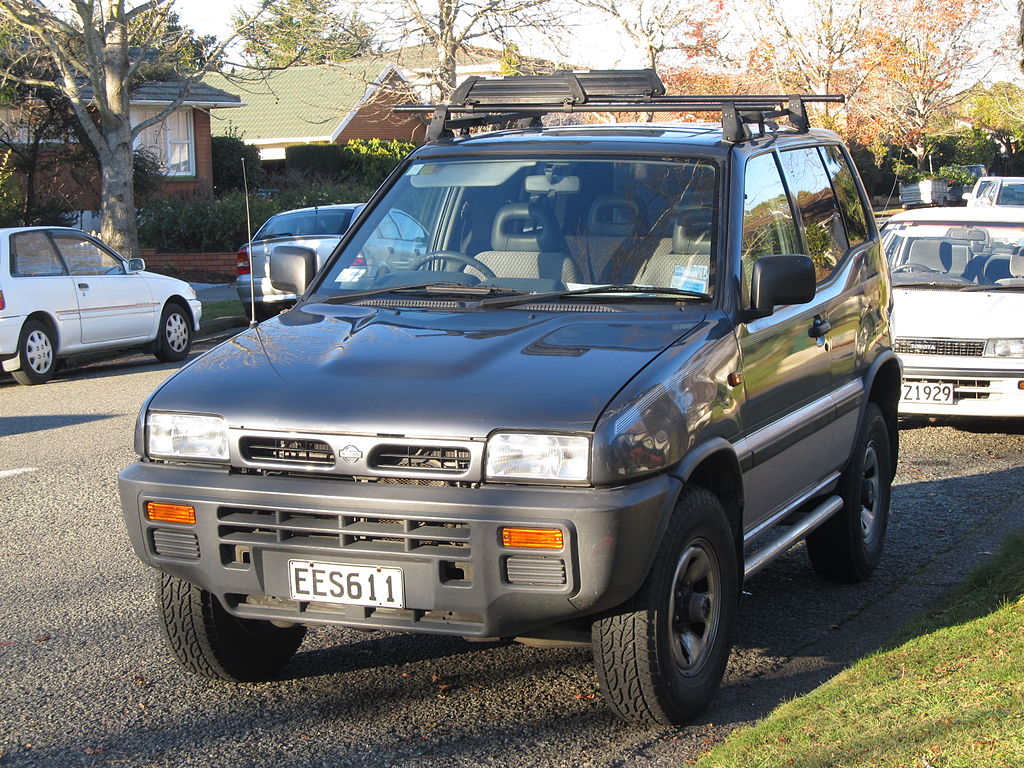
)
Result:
{"points": [[958, 318], [64, 293], [996, 191]]}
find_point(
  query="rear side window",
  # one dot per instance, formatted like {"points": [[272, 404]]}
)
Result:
{"points": [[819, 212], [84, 257], [32, 255], [845, 186], [768, 226]]}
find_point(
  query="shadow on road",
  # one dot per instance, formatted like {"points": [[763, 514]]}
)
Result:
{"points": [[23, 425]]}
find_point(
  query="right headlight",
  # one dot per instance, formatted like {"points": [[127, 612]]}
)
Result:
{"points": [[186, 436], [527, 456], [1004, 348]]}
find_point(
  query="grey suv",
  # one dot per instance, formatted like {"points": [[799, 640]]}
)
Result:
{"points": [[635, 364]]}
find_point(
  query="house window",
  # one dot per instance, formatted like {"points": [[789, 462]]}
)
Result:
{"points": [[171, 140]]}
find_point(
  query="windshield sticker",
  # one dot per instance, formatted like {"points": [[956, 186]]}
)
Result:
{"points": [[691, 277], [351, 274]]}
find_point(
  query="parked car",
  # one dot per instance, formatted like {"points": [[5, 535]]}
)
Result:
{"points": [[64, 293], [958, 281], [635, 364], [996, 191], [319, 228]]}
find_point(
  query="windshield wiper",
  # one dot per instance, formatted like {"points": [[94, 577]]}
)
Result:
{"points": [[466, 289], [994, 287], [933, 284], [649, 290]]}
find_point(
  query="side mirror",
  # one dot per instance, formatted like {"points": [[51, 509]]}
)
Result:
{"points": [[783, 279], [136, 265], [292, 268]]}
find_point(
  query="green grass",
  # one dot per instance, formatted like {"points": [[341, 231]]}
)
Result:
{"points": [[950, 694], [226, 308]]}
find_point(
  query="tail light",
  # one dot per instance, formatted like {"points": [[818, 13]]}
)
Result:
{"points": [[3, 304], [242, 260], [359, 261]]}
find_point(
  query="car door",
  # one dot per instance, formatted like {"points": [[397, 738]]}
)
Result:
{"points": [[40, 281], [115, 305], [788, 409]]}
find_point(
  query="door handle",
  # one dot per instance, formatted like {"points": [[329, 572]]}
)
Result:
{"points": [[819, 327], [83, 286]]}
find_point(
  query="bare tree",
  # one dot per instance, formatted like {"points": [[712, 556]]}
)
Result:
{"points": [[451, 27], [660, 26], [93, 53]]}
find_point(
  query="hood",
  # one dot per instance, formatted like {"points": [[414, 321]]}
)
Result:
{"points": [[427, 373], [945, 314]]}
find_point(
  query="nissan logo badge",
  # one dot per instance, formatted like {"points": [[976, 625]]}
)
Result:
{"points": [[350, 454]]}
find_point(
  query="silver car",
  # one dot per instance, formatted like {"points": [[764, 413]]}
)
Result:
{"points": [[319, 228]]}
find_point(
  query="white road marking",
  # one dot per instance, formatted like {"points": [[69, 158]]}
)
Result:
{"points": [[12, 472]]}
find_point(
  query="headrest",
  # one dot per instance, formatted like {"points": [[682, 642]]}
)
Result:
{"points": [[1017, 263], [692, 230], [526, 227], [612, 215]]}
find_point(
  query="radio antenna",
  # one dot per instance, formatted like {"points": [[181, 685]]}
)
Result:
{"points": [[252, 263]]}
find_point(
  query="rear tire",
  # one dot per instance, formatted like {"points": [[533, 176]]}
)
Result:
{"points": [[209, 641], [849, 545], [174, 336], [661, 655], [37, 350]]}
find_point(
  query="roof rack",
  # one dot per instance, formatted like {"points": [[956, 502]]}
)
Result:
{"points": [[524, 100]]}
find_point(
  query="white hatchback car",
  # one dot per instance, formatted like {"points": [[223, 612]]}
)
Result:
{"points": [[958, 316], [64, 293], [996, 191]]}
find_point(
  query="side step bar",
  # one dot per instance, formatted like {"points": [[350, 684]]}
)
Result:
{"points": [[794, 533]]}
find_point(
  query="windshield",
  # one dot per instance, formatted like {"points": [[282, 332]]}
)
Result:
{"points": [[955, 256], [538, 226], [305, 224]]}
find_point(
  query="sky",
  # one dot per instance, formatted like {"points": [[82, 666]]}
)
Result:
{"points": [[599, 45]]}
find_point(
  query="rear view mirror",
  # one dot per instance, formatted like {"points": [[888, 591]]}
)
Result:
{"points": [[292, 268], [542, 185], [782, 279], [136, 265]]}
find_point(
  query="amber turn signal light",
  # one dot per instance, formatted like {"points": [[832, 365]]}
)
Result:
{"points": [[170, 513], [532, 538]]}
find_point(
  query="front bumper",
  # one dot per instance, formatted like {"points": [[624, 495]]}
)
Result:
{"points": [[977, 391], [458, 577]]}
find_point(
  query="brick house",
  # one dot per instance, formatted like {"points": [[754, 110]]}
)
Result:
{"points": [[318, 105]]}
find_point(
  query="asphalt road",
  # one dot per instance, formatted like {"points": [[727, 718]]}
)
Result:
{"points": [[86, 680]]}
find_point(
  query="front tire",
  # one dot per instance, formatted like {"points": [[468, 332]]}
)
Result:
{"points": [[661, 655], [210, 642], [174, 336], [849, 545], [38, 352]]}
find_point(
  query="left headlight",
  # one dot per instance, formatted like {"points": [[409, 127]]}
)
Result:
{"points": [[186, 436], [1004, 348], [524, 456]]}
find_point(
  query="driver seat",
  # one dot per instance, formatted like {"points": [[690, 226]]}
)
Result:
{"points": [[526, 242]]}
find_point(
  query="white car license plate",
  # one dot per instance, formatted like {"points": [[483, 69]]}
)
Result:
{"points": [[928, 392], [346, 584]]}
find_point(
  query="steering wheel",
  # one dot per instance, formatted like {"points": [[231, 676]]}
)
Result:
{"points": [[913, 267], [461, 258]]}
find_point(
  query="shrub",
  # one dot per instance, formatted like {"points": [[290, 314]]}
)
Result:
{"points": [[228, 153], [365, 162]]}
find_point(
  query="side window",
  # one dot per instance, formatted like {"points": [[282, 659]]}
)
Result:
{"points": [[84, 257], [845, 185], [32, 255], [768, 226], [823, 224]]}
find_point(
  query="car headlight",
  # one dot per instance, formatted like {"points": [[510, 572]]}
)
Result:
{"points": [[186, 436], [1004, 348], [522, 456]]}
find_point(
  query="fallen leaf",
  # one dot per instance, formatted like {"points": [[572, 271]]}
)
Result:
{"points": [[42, 638], [6, 642]]}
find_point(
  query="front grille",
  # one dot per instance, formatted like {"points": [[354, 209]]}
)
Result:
{"points": [[958, 347], [409, 303], [168, 543], [420, 458], [328, 532], [270, 450]]}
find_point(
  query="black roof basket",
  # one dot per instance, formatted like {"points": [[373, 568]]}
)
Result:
{"points": [[524, 100]]}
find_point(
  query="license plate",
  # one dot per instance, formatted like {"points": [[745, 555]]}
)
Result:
{"points": [[928, 392], [345, 584]]}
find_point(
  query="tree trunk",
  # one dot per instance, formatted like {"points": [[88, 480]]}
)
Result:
{"points": [[117, 194]]}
